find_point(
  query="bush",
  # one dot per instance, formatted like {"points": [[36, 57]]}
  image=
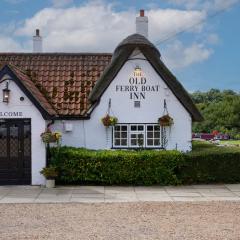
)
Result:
{"points": [[205, 164], [209, 163], [211, 167], [117, 167]]}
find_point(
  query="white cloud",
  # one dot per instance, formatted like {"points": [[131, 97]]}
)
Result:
{"points": [[176, 55], [96, 26], [166, 23], [7, 44], [209, 5], [61, 3]]}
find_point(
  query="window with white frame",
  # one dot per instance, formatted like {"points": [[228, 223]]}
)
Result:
{"points": [[120, 136], [137, 136], [153, 136]]}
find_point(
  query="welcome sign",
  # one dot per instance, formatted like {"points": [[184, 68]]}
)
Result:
{"points": [[137, 86], [11, 114]]}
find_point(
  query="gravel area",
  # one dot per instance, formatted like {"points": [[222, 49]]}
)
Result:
{"points": [[174, 220]]}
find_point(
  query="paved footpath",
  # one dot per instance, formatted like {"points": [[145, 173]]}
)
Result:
{"points": [[96, 194]]}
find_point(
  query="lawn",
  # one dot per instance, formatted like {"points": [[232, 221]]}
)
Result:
{"points": [[231, 142], [207, 147]]}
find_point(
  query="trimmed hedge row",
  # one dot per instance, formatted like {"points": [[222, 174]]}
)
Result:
{"points": [[211, 167], [117, 167], [78, 166]]}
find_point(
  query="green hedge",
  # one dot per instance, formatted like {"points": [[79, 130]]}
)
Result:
{"points": [[211, 167], [117, 167], [206, 164]]}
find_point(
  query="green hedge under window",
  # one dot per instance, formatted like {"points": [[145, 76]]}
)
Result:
{"points": [[81, 166]]}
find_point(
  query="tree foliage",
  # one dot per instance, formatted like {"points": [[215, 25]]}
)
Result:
{"points": [[221, 111]]}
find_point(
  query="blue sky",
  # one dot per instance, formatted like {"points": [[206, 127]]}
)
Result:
{"points": [[202, 57]]}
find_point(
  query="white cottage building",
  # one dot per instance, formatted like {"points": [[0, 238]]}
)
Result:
{"points": [[72, 92]]}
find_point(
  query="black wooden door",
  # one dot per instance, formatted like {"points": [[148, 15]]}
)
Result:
{"points": [[15, 151]]}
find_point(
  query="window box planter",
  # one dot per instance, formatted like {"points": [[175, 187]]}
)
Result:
{"points": [[108, 121], [165, 121]]}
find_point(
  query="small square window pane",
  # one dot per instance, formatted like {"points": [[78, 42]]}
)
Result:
{"points": [[124, 142], [124, 128], [133, 135], [156, 142], [117, 142], [150, 142], [133, 142], [140, 128], [156, 134], [157, 128], [150, 134], [140, 136], [150, 128], [124, 134], [117, 128], [117, 134], [133, 128]]}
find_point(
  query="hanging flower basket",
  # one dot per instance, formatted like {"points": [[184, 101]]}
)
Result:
{"points": [[165, 121], [108, 121], [50, 137]]}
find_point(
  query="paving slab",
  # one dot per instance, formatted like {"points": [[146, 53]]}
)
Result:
{"points": [[64, 194], [233, 187]]}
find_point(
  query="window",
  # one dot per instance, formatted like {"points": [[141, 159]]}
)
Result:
{"points": [[120, 136], [153, 136], [137, 136]]}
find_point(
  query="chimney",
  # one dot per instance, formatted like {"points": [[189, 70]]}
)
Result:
{"points": [[142, 24], [37, 42]]}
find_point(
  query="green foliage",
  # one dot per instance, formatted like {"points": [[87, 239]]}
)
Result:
{"points": [[209, 163], [50, 172], [206, 163], [117, 167], [221, 111]]}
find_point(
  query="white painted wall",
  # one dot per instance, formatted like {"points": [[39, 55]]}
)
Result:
{"points": [[38, 125], [92, 134]]}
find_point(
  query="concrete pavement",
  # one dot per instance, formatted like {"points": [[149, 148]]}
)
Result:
{"points": [[96, 194]]}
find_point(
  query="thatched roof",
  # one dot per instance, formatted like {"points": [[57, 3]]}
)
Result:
{"points": [[121, 55]]}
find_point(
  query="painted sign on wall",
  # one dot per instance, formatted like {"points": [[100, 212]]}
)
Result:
{"points": [[137, 86], [11, 114]]}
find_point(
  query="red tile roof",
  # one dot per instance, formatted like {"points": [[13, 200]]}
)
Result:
{"points": [[35, 92], [61, 82]]}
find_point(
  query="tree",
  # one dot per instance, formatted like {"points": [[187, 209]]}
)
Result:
{"points": [[221, 111]]}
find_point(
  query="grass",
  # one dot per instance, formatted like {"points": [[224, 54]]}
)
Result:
{"points": [[207, 147], [231, 142]]}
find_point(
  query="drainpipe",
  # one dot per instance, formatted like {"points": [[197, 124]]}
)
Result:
{"points": [[48, 154]]}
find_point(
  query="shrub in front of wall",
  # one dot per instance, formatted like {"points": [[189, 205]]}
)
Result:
{"points": [[222, 166], [206, 164], [77, 166]]}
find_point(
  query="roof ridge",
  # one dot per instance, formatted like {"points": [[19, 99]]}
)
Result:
{"points": [[56, 53]]}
